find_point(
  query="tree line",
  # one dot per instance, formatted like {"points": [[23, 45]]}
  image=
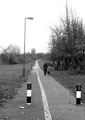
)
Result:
{"points": [[12, 55], [67, 45]]}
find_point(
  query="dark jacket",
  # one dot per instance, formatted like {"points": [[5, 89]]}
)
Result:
{"points": [[45, 66]]}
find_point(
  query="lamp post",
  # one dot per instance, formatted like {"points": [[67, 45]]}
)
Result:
{"points": [[30, 18]]}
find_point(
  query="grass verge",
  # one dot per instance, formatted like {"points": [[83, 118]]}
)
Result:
{"points": [[67, 80], [11, 80]]}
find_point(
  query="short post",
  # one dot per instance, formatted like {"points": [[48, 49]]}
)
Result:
{"points": [[78, 94], [29, 93]]}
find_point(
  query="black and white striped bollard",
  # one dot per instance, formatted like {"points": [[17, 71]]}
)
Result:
{"points": [[29, 93], [78, 94]]}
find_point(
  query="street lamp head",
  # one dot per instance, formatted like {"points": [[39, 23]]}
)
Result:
{"points": [[31, 18]]}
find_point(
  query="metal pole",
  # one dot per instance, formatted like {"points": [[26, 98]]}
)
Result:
{"points": [[24, 46], [31, 18]]}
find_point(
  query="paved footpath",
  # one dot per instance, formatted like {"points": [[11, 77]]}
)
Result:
{"points": [[29, 112], [61, 102], [50, 101]]}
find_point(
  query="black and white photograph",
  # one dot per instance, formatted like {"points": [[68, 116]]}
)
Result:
{"points": [[42, 60]]}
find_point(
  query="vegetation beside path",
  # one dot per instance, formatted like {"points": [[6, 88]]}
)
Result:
{"points": [[11, 80], [68, 80]]}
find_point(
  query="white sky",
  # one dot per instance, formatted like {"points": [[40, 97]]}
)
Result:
{"points": [[46, 13]]}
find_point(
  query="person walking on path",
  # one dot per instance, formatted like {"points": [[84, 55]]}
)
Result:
{"points": [[45, 68]]}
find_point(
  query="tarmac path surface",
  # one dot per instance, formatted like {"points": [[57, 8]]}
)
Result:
{"points": [[28, 112], [50, 101], [62, 104]]}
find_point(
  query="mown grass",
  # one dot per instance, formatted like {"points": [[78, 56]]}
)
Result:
{"points": [[11, 79], [67, 80]]}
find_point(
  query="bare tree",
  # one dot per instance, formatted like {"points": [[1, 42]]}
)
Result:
{"points": [[13, 49], [68, 40], [10, 54]]}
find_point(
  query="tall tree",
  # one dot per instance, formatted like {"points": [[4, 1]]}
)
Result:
{"points": [[68, 40]]}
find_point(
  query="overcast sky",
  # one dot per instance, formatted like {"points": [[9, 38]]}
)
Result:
{"points": [[46, 13]]}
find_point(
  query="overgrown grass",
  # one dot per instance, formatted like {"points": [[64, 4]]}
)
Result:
{"points": [[67, 80], [11, 79]]}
